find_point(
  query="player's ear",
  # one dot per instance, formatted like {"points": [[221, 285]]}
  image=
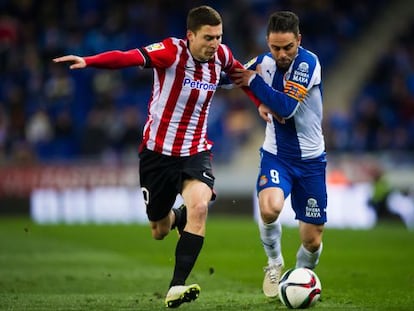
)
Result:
{"points": [[190, 35], [299, 39]]}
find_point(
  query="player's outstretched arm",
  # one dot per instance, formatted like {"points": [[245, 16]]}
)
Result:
{"points": [[107, 60], [77, 61]]}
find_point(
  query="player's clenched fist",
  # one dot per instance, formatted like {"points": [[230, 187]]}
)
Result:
{"points": [[78, 62]]}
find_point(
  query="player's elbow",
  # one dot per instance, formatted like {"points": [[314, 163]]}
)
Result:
{"points": [[289, 111]]}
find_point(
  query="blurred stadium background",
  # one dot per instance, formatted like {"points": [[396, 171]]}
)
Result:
{"points": [[69, 139]]}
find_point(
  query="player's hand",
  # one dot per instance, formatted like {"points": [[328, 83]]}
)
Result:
{"points": [[265, 112], [241, 77], [78, 62]]}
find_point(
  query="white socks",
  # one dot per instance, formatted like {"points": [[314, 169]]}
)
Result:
{"points": [[271, 234], [305, 258]]}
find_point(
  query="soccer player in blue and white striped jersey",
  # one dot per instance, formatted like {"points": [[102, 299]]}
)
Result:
{"points": [[287, 80]]}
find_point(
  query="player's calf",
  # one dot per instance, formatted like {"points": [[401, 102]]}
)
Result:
{"points": [[180, 218]]}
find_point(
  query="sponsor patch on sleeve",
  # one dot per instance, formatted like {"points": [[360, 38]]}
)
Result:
{"points": [[250, 62], [155, 47]]}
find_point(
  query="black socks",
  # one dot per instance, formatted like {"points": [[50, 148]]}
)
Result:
{"points": [[188, 247], [180, 218]]}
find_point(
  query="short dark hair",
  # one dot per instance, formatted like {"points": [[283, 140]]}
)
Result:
{"points": [[202, 15], [283, 21]]}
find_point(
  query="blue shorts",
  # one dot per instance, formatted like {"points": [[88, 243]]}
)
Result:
{"points": [[304, 180]]}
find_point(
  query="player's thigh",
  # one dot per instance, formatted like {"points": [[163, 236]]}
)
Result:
{"points": [[196, 195], [309, 198], [273, 173], [158, 179], [159, 198], [271, 201], [198, 167]]}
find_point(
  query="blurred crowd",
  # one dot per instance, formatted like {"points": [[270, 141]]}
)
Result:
{"points": [[381, 118], [49, 113]]}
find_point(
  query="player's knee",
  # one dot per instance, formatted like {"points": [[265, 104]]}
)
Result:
{"points": [[159, 233], [312, 247], [203, 210], [158, 236], [312, 243], [269, 213], [197, 216], [200, 211], [270, 206]]}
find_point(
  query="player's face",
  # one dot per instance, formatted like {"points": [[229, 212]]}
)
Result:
{"points": [[284, 47], [205, 42]]}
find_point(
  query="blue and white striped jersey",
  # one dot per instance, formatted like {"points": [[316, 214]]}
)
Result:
{"points": [[295, 95]]}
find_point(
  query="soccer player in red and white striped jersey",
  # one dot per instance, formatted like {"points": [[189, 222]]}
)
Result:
{"points": [[175, 156]]}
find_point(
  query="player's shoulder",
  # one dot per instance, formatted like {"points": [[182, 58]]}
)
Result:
{"points": [[224, 50], [305, 69], [264, 59], [225, 56], [175, 41], [163, 45], [163, 53], [306, 58]]}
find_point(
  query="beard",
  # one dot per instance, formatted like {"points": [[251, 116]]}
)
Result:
{"points": [[283, 63]]}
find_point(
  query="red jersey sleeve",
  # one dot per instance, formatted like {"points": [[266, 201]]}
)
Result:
{"points": [[230, 63], [116, 59], [161, 54], [246, 89]]}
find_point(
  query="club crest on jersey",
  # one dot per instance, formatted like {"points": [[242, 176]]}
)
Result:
{"points": [[155, 47], [304, 67], [263, 180]]}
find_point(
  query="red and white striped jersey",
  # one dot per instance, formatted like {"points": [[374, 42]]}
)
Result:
{"points": [[181, 94]]}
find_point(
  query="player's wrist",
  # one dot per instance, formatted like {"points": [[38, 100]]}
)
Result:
{"points": [[251, 79]]}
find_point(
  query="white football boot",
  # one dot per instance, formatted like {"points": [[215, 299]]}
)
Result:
{"points": [[271, 280], [180, 294]]}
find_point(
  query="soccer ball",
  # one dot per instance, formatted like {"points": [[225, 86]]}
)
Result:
{"points": [[299, 288]]}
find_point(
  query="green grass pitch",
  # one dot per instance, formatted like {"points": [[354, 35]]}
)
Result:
{"points": [[120, 267]]}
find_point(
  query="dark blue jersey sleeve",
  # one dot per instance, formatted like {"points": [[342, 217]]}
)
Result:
{"points": [[279, 102]]}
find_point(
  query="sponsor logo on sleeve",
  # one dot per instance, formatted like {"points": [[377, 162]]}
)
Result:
{"points": [[155, 47], [250, 62]]}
